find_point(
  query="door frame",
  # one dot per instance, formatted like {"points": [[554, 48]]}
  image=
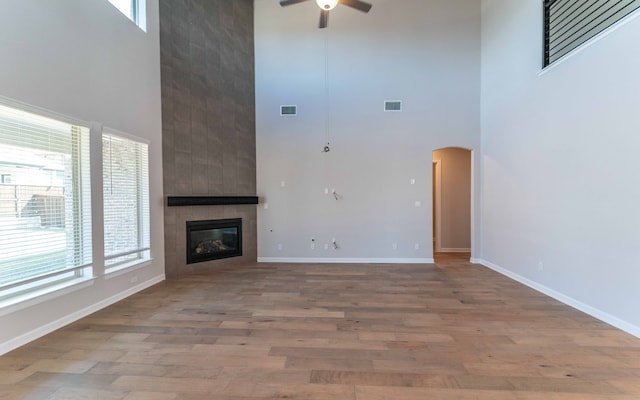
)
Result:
{"points": [[437, 206]]}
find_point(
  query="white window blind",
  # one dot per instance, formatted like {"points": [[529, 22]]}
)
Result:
{"points": [[570, 23], [45, 209], [126, 200]]}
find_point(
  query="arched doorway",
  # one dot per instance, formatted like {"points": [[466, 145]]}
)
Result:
{"points": [[452, 183]]}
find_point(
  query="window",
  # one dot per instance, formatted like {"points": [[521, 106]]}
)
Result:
{"points": [[126, 200], [45, 209], [133, 9], [570, 23], [46, 233], [127, 7]]}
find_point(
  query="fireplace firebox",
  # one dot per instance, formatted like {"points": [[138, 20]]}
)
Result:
{"points": [[213, 239]]}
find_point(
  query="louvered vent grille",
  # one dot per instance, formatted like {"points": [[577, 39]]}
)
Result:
{"points": [[393, 105], [289, 110]]}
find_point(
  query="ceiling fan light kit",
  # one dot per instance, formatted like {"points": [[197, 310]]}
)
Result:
{"points": [[328, 5]]}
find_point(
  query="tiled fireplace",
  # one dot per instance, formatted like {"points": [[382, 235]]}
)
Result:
{"points": [[208, 123], [205, 233]]}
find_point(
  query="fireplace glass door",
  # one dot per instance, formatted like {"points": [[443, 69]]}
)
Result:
{"points": [[213, 239]]}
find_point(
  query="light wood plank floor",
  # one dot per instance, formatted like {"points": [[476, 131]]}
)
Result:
{"points": [[332, 332]]}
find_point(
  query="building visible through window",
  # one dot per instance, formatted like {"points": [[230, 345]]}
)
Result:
{"points": [[126, 200]]}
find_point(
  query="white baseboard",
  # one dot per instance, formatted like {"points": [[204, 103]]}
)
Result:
{"points": [[68, 319], [570, 301], [346, 260], [454, 250], [475, 260]]}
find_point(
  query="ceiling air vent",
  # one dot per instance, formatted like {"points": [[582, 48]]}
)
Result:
{"points": [[289, 110], [394, 105]]}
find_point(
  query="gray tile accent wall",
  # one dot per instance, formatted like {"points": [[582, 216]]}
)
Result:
{"points": [[208, 119]]}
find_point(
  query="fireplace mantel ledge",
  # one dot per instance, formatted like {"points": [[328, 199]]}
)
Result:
{"points": [[184, 201]]}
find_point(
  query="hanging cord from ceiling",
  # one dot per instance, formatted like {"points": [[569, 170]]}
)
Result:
{"points": [[327, 102]]}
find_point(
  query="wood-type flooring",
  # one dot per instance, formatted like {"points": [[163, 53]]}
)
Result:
{"points": [[450, 331]]}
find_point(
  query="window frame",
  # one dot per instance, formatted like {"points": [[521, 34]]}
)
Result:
{"points": [[137, 12]]}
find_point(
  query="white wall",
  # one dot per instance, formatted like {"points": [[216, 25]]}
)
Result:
{"points": [[425, 53], [560, 163], [85, 60]]}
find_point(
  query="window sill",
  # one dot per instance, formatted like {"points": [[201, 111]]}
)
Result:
{"points": [[127, 267], [20, 302]]}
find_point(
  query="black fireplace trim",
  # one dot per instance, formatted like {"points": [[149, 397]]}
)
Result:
{"points": [[182, 201], [214, 224]]}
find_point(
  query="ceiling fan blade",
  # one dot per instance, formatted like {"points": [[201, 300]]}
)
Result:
{"points": [[285, 3], [324, 18], [357, 4]]}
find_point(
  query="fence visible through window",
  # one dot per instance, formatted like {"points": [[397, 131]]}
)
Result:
{"points": [[45, 224]]}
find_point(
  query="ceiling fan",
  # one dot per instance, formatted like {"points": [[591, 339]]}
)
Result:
{"points": [[328, 5]]}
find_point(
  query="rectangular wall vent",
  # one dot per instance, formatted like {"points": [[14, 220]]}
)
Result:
{"points": [[289, 110], [394, 105]]}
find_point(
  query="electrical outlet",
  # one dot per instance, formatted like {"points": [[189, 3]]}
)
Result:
{"points": [[326, 246], [326, 190], [395, 246], [266, 206], [418, 203], [412, 181], [279, 246], [283, 183], [540, 266], [416, 246]]}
